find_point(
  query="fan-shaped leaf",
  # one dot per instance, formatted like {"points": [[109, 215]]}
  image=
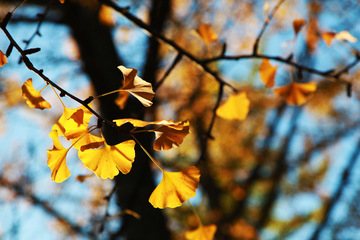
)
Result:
{"points": [[175, 188], [267, 73], [57, 159], [34, 98], [296, 93], [106, 162]]}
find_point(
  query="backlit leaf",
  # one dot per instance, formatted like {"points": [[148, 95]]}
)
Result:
{"points": [[342, 36], [202, 233], [168, 134], [62, 1], [139, 88], [175, 188], [107, 161], [88, 141], [57, 159], [73, 123], [34, 98], [235, 108], [206, 33], [296, 93], [3, 59], [267, 73], [298, 24], [122, 99]]}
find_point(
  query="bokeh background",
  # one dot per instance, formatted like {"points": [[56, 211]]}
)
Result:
{"points": [[285, 172]]}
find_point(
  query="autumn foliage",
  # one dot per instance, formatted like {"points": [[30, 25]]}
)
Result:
{"points": [[209, 143]]}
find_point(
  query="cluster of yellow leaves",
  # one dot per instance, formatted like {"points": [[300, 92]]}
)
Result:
{"points": [[107, 161], [293, 93]]}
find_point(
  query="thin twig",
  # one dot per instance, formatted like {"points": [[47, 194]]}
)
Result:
{"points": [[156, 34], [175, 62], [266, 23]]}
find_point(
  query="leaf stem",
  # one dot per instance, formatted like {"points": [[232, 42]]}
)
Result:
{"points": [[108, 93], [147, 153], [57, 96], [196, 213]]}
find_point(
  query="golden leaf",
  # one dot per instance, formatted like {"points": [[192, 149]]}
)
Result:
{"points": [[34, 98], [139, 88], [73, 123], [122, 99], [168, 134], [342, 36], [88, 141], [202, 233], [296, 93], [267, 73], [62, 1], [106, 162], [206, 33], [57, 159], [298, 24], [175, 188], [235, 108], [3, 59]]}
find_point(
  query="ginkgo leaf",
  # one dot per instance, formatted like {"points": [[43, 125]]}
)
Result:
{"points": [[88, 141], [3, 59], [296, 93], [139, 88], [62, 1], [235, 108], [175, 188], [342, 36], [73, 123], [267, 73], [168, 134], [57, 159], [207, 34], [202, 233], [298, 24], [107, 161], [34, 98]]}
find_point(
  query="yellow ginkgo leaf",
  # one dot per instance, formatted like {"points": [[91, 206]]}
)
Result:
{"points": [[298, 24], [34, 98], [139, 88], [3, 59], [88, 141], [267, 73], [296, 93], [57, 159], [175, 188], [73, 123], [168, 134], [202, 233], [235, 108], [107, 161], [62, 1], [207, 34]]}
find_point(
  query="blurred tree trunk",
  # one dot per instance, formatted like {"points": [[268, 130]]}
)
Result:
{"points": [[100, 61]]}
